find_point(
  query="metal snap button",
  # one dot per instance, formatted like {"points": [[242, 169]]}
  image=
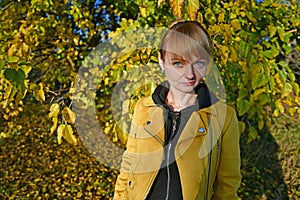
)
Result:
{"points": [[201, 130]]}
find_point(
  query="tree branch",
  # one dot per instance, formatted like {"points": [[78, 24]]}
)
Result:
{"points": [[7, 6]]}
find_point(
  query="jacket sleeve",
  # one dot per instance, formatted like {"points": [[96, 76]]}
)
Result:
{"points": [[228, 176], [121, 192]]}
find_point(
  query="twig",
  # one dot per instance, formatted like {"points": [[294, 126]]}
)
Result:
{"points": [[7, 6]]}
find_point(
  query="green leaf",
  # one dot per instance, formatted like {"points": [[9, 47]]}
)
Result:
{"points": [[1, 64], [291, 76], [10, 74], [282, 75], [243, 106], [272, 30], [242, 93], [12, 59], [17, 78], [281, 33], [287, 89], [283, 64], [242, 126], [274, 51], [252, 134], [260, 81], [268, 54], [296, 88]]}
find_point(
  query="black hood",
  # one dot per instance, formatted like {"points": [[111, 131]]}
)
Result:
{"points": [[205, 97]]}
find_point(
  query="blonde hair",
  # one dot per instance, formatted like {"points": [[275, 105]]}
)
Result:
{"points": [[185, 38]]}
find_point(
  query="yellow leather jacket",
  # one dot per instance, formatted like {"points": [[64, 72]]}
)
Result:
{"points": [[207, 153]]}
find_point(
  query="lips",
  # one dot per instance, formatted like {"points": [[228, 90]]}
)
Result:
{"points": [[190, 83]]}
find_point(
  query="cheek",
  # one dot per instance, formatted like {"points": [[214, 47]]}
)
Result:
{"points": [[172, 74], [200, 73]]}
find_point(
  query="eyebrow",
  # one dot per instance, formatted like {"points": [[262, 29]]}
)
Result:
{"points": [[176, 57]]}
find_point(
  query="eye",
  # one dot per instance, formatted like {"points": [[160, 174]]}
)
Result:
{"points": [[199, 64], [177, 64]]}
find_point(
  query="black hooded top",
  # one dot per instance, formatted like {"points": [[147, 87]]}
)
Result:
{"points": [[174, 124]]}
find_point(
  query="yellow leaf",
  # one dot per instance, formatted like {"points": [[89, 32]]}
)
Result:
{"points": [[25, 47], [68, 135], [261, 124], [192, 8], [257, 92], [8, 91], [279, 106], [160, 2], [176, 6], [54, 126], [292, 111], [26, 69], [69, 115], [60, 131], [233, 54], [143, 11], [236, 24], [76, 41], [40, 93], [12, 50], [221, 17], [54, 110]]}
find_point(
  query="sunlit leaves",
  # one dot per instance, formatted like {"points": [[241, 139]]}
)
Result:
{"points": [[192, 7], [54, 110], [66, 132], [69, 115], [39, 93], [259, 81], [177, 6], [12, 59]]}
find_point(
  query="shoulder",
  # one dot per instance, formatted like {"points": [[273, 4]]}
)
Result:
{"points": [[141, 109], [227, 116], [222, 109], [143, 104]]}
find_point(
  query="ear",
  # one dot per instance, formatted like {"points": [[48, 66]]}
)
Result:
{"points": [[160, 61]]}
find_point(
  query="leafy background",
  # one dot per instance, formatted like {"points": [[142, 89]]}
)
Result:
{"points": [[43, 45]]}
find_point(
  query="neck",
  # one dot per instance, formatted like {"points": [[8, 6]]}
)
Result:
{"points": [[178, 100]]}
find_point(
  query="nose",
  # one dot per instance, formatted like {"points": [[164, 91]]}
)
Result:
{"points": [[189, 72]]}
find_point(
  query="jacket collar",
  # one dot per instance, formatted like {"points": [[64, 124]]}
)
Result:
{"points": [[206, 99]]}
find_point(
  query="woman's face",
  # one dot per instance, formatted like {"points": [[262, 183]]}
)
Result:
{"points": [[184, 73]]}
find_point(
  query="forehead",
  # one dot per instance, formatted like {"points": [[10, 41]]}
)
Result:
{"points": [[180, 46]]}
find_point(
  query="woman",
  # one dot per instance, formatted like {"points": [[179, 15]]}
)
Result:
{"points": [[183, 142]]}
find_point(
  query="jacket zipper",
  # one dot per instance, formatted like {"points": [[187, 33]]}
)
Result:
{"points": [[153, 135], [168, 171], [168, 158]]}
